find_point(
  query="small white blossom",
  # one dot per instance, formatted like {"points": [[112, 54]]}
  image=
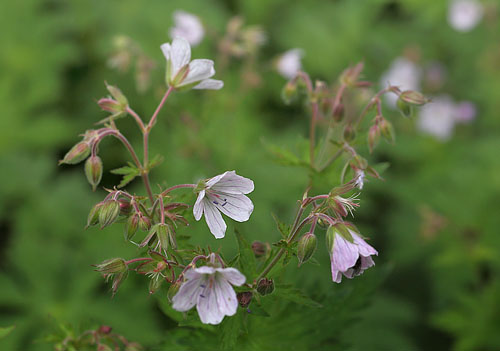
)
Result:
{"points": [[187, 26], [224, 193], [404, 74], [184, 73], [289, 63], [360, 178], [438, 118], [464, 15], [465, 112], [210, 290]]}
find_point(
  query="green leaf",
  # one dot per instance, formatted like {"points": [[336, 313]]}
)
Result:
{"points": [[155, 161], [290, 293], [6, 331], [257, 310], [129, 173], [285, 157], [282, 227], [230, 330], [246, 257]]}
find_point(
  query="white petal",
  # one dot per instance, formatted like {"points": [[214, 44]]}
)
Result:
{"points": [[227, 302], [188, 294], [166, 48], [336, 275], [232, 275], [363, 248], [207, 305], [214, 180], [230, 182], [214, 219], [198, 206], [199, 70], [236, 206], [345, 254], [212, 84], [180, 54], [204, 270], [366, 262]]}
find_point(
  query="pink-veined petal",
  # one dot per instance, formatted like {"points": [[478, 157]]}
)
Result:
{"points": [[231, 183], [363, 247], [366, 262], [204, 270], [214, 219], [345, 254], [226, 297], [207, 305], [236, 206], [232, 275], [198, 205], [180, 54], [212, 84], [188, 294], [199, 70]]}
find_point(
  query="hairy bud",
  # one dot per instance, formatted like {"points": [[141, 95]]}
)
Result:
{"points": [[387, 130], [244, 298], [413, 97], [77, 154], [93, 171], [93, 217], [265, 286], [306, 248], [112, 266], [144, 223], [117, 95], [109, 213], [259, 248], [373, 137], [131, 226]]}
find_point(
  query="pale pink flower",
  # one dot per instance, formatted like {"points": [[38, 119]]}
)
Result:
{"points": [[465, 112], [350, 258], [437, 118], [289, 63], [210, 289], [187, 26], [224, 193], [464, 15], [184, 73]]}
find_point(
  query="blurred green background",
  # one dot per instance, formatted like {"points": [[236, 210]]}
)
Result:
{"points": [[434, 220]]}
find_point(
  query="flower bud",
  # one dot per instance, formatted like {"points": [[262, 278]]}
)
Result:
{"points": [[172, 290], [118, 280], [259, 248], [131, 226], [110, 105], [109, 213], [93, 170], [144, 223], [163, 233], [77, 154], [413, 98], [125, 206], [265, 286], [244, 298], [155, 284], [387, 130], [349, 133], [306, 248], [289, 92], [93, 217], [350, 76], [104, 329], [404, 107], [117, 95], [111, 266], [373, 137]]}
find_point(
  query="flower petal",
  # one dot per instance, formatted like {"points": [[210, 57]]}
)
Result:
{"points": [[366, 262], [212, 84], [189, 292], [207, 305], [345, 254], [199, 70], [232, 275], [198, 206], [226, 297], [363, 247], [204, 270], [214, 219], [180, 54], [166, 49], [231, 183], [336, 275], [236, 206]]}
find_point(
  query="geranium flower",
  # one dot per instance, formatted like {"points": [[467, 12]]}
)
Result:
{"points": [[464, 15], [184, 73], [187, 26], [350, 258], [224, 193], [404, 74], [289, 63], [210, 289]]}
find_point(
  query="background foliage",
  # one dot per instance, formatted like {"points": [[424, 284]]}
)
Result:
{"points": [[434, 220]]}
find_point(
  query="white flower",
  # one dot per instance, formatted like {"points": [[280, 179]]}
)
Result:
{"points": [[404, 74], [289, 64], [184, 73], [210, 290], [187, 26], [224, 193], [464, 15], [465, 111], [438, 118]]}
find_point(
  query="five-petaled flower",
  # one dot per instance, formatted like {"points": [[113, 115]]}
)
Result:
{"points": [[224, 193], [209, 288], [349, 256], [184, 73]]}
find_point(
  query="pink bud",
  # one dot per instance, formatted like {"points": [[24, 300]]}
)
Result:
{"points": [[77, 154]]}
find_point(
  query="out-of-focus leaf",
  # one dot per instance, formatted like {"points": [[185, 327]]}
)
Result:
{"points": [[129, 173]]}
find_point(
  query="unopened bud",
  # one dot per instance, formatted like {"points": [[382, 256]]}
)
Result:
{"points": [[265, 286], [109, 213], [373, 137], [387, 130], [306, 248], [404, 107], [118, 280], [131, 226], [77, 154], [289, 92], [125, 206], [172, 290], [349, 133], [93, 171], [144, 223], [112, 266], [350, 76], [110, 105], [259, 248], [93, 217], [117, 94], [338, 112], [104, 329], [244, 298], [413, 97], [163, 233]]}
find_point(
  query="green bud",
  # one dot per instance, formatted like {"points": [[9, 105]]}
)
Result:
{"points": [[93, 171], [93, 217], [172, 290], [413, 98], [118, 280], [373, 137], [117, 94], [330, 238], [404, 107], [77, 154], [111, 266], [155, 284], [387, 130], [163, 233], [289, 92], [109, 213], [131, 226], [265, 286], [306, 248]]}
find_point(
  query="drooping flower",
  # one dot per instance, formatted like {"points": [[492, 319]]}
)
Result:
{"points": [[209, 288], [184, 73], [187, 26], [404, 74], [224, 193], [349, 256], [464, 15], [289, 63]]}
